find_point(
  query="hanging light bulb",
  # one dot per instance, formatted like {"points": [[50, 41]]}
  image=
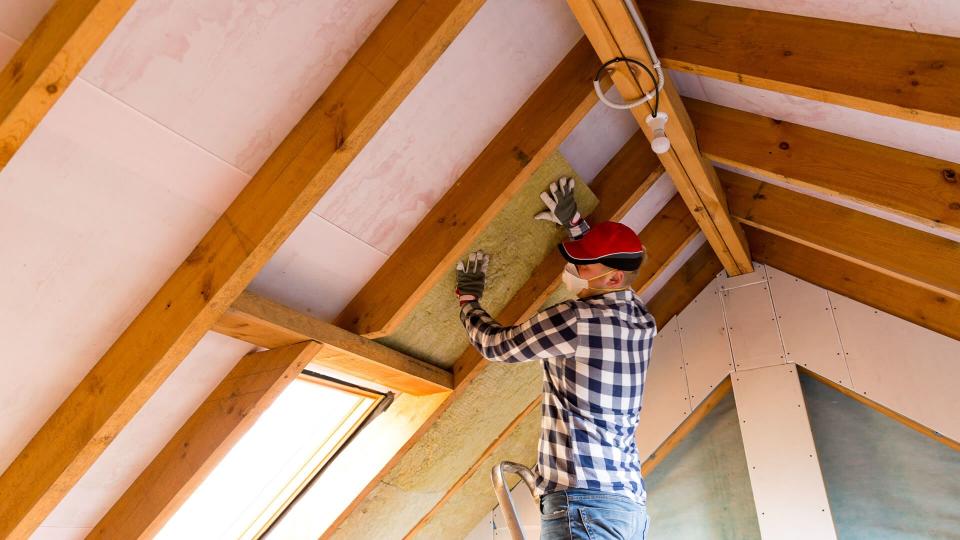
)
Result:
{"points": [[658, 141]]}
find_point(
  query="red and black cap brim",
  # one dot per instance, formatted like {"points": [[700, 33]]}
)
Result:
{"points": [[626, 261]]}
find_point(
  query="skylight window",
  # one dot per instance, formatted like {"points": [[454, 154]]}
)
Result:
{"points": [[270, 464]]}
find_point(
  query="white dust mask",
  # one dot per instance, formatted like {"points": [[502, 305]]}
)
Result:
{"points": [[572, 280]]}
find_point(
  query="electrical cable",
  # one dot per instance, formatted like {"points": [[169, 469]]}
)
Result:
{"points": [[653, 94]]}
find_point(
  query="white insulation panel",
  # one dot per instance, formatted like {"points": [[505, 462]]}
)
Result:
{"points": [[752, 326], [809, 333], [706, 350], [665, 400], [788, 488], [900, 365]]}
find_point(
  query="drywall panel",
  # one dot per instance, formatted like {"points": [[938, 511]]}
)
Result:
{"points": [[927, 16], [759, 275], [481, 80], [233, 77], [702, 489], [97, 209], [598, 137], [706, 350], [788, 489], [19, 17], [807, 328], [901, 365], [884, 480], [318, 269], [665, 398], [752, 326], [137, 444]]}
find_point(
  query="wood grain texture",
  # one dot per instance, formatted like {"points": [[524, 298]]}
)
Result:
{"points": [[612, 32], [203, 440], [685, 285], [494, 177], [268, 324], [687, 426], [923, 259], [889, 413], [665, 237], [896, 297], [922, 189], [385, 68], [903, 74], [48, 61], [621, 183]]}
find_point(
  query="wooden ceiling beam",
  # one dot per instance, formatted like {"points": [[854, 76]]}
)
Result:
{"points": [[918, 188], [920, 258], [896, 73], [48, 61], [291, 182], [613, 34], [896, 297], [464, 211], [621, 183], [265, 323], [200, 444]]}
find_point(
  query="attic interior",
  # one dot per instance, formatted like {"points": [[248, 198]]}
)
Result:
{"points": [[229, 232]]}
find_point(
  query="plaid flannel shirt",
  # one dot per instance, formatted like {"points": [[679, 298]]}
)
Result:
{"points": [[594, 353]]}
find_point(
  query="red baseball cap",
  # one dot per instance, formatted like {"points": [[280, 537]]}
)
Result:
{"points": [[609, 243]]}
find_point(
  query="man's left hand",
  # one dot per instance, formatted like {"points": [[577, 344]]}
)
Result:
{"points": [[471, 277]]}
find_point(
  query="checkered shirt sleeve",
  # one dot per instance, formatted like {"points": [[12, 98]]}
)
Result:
{"points": [[549, 334]]}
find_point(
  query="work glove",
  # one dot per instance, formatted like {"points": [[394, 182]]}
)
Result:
{"points": [[471, 277], [561, 206]]}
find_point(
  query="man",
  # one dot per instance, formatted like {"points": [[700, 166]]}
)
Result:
{"points": [[594, 351]]}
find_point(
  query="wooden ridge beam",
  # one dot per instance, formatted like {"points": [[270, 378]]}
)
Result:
{"points": [[48, 61], [621, 183], [464, 211], [920, 258], [896, 73], [688, 424], [612, 32], [307, 162], [265, 323], [685, 285], [896, 297], [200, 444], [922, 189]]}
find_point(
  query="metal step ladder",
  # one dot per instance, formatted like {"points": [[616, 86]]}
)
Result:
{"points": [[503, 493]]}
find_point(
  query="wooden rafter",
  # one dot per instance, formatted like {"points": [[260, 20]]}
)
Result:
{"points": [[613, 34], [921, 189], [268, 324], [48, 61], [923, 259], [665, 237], [307, 162], [896, 73], [464, 211], [631, 172], [203, 440], [897, 297]]}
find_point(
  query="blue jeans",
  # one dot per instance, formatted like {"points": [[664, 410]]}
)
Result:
{"points": [[587, 514]]}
